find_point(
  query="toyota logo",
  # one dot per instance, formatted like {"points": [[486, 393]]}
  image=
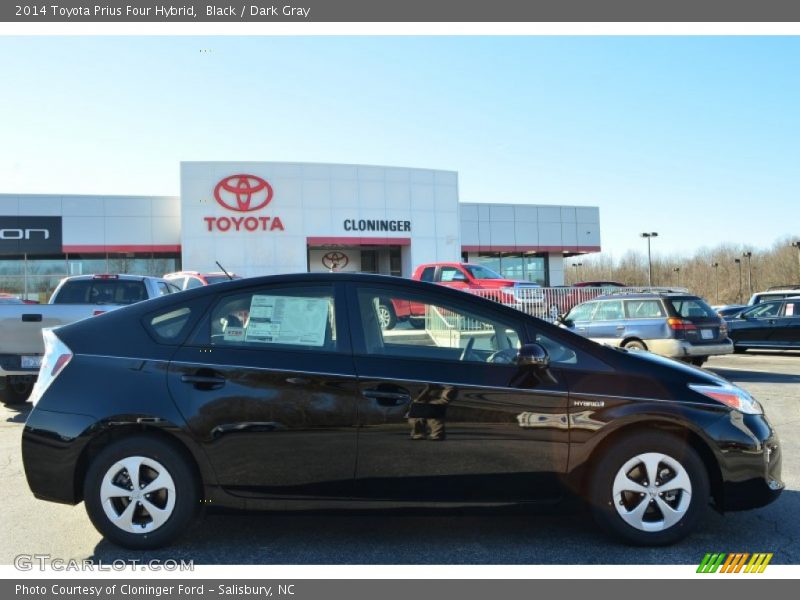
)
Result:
{"points": [[243, 193], [335, 260]]}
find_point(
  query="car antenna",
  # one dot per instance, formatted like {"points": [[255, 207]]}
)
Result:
{"points": [[228, 275]]}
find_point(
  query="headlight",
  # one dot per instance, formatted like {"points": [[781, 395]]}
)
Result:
{"points": [[731, 396]]}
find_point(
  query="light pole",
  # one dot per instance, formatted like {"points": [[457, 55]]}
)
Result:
{"points": [[797, 245], [749, 256], [716, 281], [677, 271], [648, 237], [738, 261], [576, 265]]}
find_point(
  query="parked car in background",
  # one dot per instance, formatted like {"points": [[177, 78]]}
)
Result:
{"points": [[150, 412], [583, 291], [768, 325], [462, 276], [774, 293], [674, 325], [187, 280], [75, 298], [12, 299], [729, 310]]}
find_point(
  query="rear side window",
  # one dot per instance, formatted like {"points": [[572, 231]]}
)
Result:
{"points": [[193, 282], [609, 311], [793, 309], [169, 326], [643, 309], [101, 291], [277, 318], [692, 308], [427, 274]]}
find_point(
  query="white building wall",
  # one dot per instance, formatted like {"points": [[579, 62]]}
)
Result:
{"points": [[313, 201]]}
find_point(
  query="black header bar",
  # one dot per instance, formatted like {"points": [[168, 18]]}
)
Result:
{"points": [[401, 11]]}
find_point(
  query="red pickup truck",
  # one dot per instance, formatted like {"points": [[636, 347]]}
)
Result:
{"points": [[463, 276]]}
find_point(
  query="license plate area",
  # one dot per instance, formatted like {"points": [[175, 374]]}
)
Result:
{"points": [[31, 362], [706, 334]]}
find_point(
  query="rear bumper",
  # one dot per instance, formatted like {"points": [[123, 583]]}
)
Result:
{"points": [[681, 349], [52, 444]]}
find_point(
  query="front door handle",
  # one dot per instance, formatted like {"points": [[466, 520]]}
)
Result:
{"points": [[204, 381], [385, 398]]}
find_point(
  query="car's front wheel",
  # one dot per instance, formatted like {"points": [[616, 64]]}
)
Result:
{"points": [[649, 489], [140, 492]]}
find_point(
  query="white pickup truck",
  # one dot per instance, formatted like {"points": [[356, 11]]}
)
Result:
{"points": [[75, 298]]}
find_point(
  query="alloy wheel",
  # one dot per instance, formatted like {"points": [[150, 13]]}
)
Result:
{"points": [[137, 494], [652, 492]]}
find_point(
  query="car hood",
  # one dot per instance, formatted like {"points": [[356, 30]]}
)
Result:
{"points": [[692, 374]]}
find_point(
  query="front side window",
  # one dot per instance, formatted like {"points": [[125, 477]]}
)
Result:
{"points": [[428, 329], [276, 318], [582, 312], [764, 310]]}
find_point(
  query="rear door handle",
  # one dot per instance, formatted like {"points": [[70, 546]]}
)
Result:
{"points": [[385, 398], [204, 381]]}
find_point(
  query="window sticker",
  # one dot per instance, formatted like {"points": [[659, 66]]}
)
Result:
{"points": [[287, 320], [789, 310], [233, 334]]}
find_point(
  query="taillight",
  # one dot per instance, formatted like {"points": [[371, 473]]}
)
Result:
{"points": [[723, 329], [681, 324], [56, 356], [105, 276]]}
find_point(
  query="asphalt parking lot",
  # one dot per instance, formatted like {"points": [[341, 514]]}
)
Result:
{"points": [[30, 526]]}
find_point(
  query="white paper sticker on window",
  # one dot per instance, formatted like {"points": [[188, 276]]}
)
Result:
{"points": [[288, 320]]}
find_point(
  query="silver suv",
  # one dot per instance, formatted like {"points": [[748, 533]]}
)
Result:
{"points": [[676, 325]]}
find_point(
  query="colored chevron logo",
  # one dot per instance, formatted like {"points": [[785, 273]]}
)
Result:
{"points": [[735, 562]]}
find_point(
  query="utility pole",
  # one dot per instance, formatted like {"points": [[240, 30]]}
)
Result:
{"points": [[716, 281], [576, 265], [738, 261], [797, 245], [677, 271], [648, 237], [749, 256]]}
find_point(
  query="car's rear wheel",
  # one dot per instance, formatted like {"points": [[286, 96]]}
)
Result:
{"points": [[739, 349], [386, 315], [635, 345], [649, 489], [140, 492], [17, 390], [417, 322]]}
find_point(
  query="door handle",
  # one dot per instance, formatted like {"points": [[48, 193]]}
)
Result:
{"points": [[385, 398], [620, 327], [206, 382]]}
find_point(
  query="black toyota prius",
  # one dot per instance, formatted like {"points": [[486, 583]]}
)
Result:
{"points": [[285, 391]]}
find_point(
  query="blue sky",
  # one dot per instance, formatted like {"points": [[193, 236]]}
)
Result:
{"points": [[697, 138]]}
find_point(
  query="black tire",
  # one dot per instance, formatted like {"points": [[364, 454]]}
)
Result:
{"points": [[699, 361], [635, 345], [16, 392], [739, 349], [600, 490], [166, 454], [417, 322], [386, 315]]}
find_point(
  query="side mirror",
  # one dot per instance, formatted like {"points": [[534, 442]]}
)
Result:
{"points": [[743, 316], [533, 355]]}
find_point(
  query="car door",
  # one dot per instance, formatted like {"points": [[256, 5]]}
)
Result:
{"points": [[444, 413], [579, 319], [787, 331], [755, 326], [267, 385]]}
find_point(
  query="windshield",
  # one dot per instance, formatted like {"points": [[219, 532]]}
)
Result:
{"points": [[479, 272], [692, 308]]}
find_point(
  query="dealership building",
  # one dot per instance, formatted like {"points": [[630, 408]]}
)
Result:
{"points": [[260, 218]]}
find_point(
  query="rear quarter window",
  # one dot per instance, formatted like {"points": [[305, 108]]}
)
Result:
{"points": [[692, 308], [169, 326]]}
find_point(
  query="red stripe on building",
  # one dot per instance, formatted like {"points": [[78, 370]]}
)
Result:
{"points": [[126, 248], [530, 248], [357, 241]]}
